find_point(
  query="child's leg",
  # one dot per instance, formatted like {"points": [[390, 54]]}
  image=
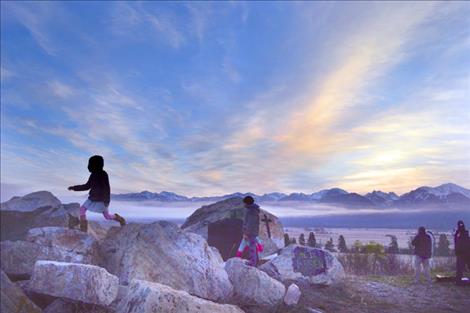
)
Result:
{"points": [[109, 216], [82, 211], [83, 221], [253, 251], [241, 247]]}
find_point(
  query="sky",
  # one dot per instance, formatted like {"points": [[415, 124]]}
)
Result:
{"points": [[209, 98]]}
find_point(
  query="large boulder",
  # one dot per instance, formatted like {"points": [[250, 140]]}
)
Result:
{"points": [[305, 265], [72, 240], [200, 220], [161, 252], [31, 202], [38, 209], [148, 297], [81, 282], [68, 306], [48, 243], [253, 289], [12, 298]]}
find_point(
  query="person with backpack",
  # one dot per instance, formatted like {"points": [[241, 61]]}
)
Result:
{"points": [[423, 251], [100, 193], [251, 228]]}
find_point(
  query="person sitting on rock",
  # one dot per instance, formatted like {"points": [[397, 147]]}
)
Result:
{"points": [[251, 228], [243, 247], [100, 192], [423, 250]]}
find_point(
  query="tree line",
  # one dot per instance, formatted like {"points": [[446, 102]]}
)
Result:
{"points": [[442, 248]]}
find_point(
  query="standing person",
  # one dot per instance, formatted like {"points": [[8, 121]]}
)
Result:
{"points": [[251, 228], [100, 192], [462, 250], [423, 250]]}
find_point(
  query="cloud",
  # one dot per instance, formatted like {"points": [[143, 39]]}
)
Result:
{"points": [[36, 17], [60, 89], [135, 21]]}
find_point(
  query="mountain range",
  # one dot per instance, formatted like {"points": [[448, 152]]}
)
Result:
{"points": [[444, 195]]}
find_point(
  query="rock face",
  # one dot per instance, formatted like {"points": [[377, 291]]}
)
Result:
{"points": [[147, 297], [161, 252], [253, 289], [12, 299], [292, 296], [199, 221], [305, 265], [67, 306], [71, 240], [38, 209], [31, 202], [47, 243], [82, 282]]}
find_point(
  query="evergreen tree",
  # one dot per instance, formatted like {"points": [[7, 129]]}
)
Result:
{"points": [[302, 239], [330, 246], [286, 239], [342, 244], [312, 241], [393, 246], [443, 248]]}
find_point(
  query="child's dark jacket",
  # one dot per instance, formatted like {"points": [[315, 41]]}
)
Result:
{"points": [[98, 184]]}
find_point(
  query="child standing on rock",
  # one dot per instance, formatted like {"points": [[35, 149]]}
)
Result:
{"points": [[100, 192], [251, 228]]}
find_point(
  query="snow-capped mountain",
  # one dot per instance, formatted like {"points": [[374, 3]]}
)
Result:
{"points": [[382, 198], [147, 195], [446, 194], [443, 194]]}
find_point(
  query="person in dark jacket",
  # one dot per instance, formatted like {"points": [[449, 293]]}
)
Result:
{"points": [[99, 195], [462, 250], [251, 228], [423, 251]]}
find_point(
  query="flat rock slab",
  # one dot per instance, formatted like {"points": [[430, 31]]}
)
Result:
{"points": [[72, 240], [253, 288], [305, 265], [148, 297], [81, 282], [18, 257], [12, 298]]}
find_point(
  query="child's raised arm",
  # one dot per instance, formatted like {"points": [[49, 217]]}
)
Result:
{"points": [[84, 187]]}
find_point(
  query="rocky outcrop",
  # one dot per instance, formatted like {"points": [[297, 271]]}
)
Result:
{"points": [[12, 299], [147, 297], [161, 252], [67, 306], [81, 282], [38, 209], [253, 289], [31, 202], [305, 265], [48, 243], [72, 240], [234, 208], [292, 296]]}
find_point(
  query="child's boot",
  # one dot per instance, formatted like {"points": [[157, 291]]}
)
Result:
{"points": [[119, 219], [83, 224]]}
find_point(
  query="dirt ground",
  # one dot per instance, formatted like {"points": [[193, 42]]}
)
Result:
{"points": [[384, 294]]}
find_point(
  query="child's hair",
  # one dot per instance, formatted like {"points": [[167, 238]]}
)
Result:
{"points": [[248, 200], [95, 163]]}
